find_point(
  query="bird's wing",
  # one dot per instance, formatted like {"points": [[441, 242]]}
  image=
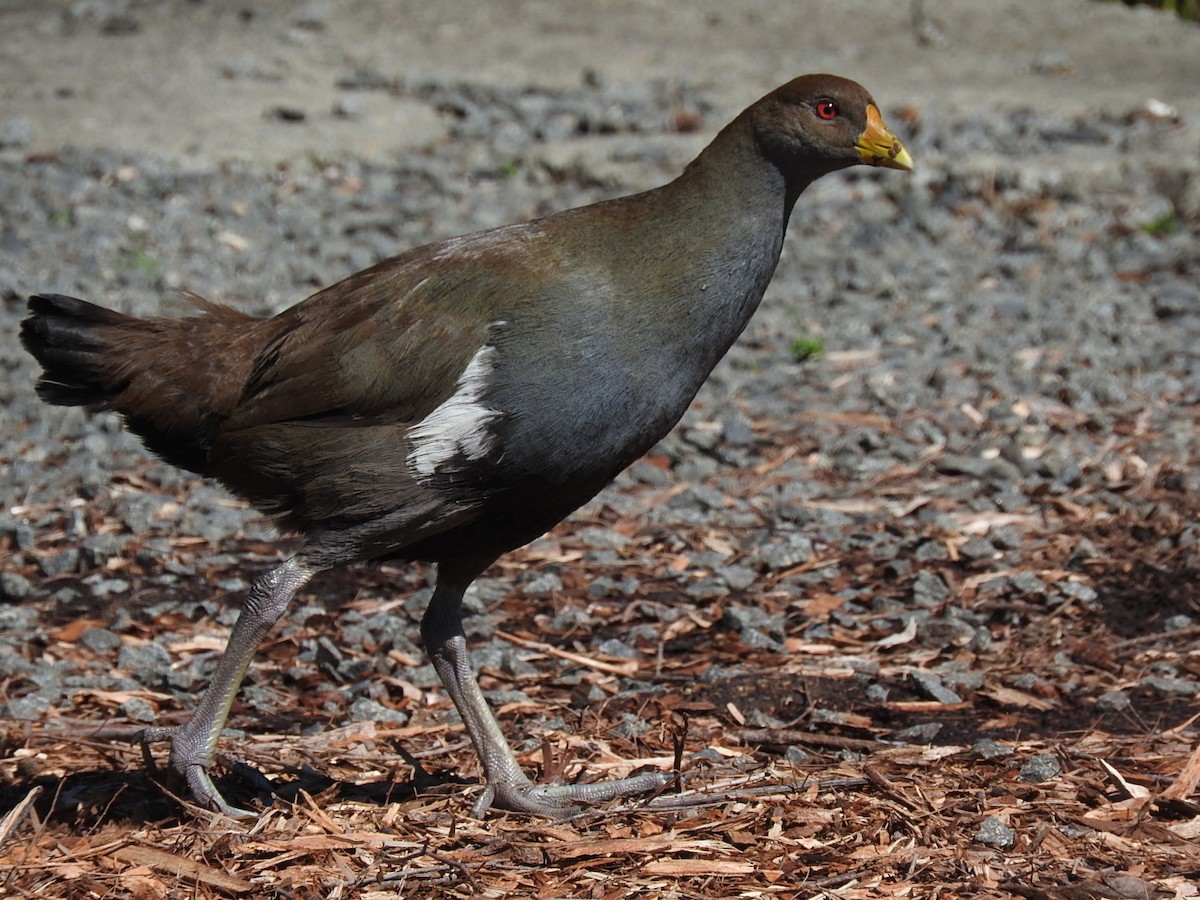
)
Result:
{"points": [[367, 398], [387, 344]]}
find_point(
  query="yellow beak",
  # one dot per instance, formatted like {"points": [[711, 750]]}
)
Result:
{"points": [[877, 146]]}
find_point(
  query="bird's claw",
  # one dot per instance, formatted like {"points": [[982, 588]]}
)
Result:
{"points": [[206, 794], [194, 771]]}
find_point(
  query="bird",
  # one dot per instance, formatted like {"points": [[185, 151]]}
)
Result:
{"points": [[457, 400]]}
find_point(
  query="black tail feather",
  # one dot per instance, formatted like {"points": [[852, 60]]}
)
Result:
{"points": [[65, 335], [106, 360]]}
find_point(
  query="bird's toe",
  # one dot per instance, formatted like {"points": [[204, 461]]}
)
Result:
{"points": [[560, 800]]}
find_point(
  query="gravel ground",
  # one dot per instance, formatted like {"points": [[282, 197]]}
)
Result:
{"points": [[1007, 342]]}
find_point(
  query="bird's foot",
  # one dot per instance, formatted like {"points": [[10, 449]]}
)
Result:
{"points": [[188, 760], [560, 800]]}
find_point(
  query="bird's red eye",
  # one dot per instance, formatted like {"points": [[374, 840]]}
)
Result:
{"points": [[827, 109]]}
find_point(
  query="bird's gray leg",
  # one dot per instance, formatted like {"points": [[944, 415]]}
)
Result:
{"points": [[194, 743], [507, 785]]}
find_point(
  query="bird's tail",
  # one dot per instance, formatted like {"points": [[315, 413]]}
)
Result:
{"points": [[156, 372], [72, 340]]}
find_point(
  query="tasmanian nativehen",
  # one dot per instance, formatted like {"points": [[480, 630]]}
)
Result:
{"points": [[458, 400]]}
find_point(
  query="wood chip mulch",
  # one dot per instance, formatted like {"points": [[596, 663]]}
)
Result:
{"points": [[1024, 788]]}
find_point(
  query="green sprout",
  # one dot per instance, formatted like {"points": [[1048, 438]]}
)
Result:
{"points": [[805, 347], [1167, 223], [142, 261]]}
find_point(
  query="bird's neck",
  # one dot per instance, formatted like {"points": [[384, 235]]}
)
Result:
{"points": [[735, 166], [728, 211]]}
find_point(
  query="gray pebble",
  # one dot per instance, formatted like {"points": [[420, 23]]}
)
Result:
{"points": [[877, 693], [138, 709], [929, 590], [797, 756], [98, 549], [103, 587], [785, 553], [364, 709], [919, 734], [31, 707], [994, 833], [1181, 686], [931, 686], [1114, 701], [1176, 299], [543, 583], [986, 748], [971, 681], [995, 469], [14, 587], [617, 649], [1075, 590], [977, 548], [1083, 551], [707, 589], [61, 563], [13, 664], [738, 578], [1027, 583], [932, 551], [1040, 768], [100, 641], [632, 726], [602, 538], [148, 662], [572, 618], [945, 631]]}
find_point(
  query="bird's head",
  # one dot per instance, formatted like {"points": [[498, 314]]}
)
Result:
{"points": [[820, 123]]}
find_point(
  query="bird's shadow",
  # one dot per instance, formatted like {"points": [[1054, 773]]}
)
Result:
{"points": [[86, 800]]}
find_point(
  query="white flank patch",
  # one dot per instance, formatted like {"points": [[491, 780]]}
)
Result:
{"points": [[460, 426]]}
